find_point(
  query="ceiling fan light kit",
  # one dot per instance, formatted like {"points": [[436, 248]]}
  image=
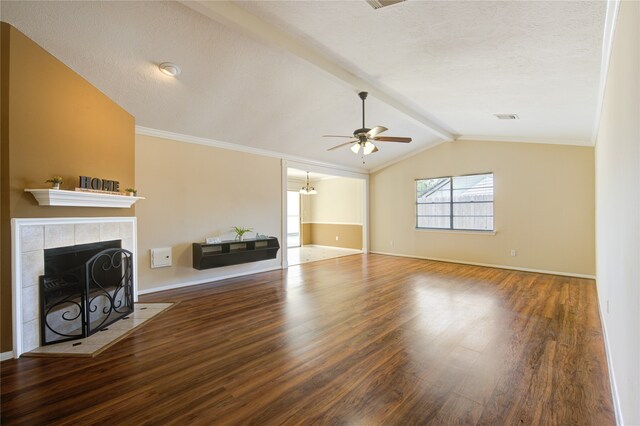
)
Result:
{"points": [[364, 137], [368, 148]]}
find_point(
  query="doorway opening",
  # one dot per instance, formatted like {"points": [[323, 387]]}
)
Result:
{"points": [[327, 223]]}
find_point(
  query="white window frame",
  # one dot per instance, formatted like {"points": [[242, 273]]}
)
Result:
{"points": [[451, 203]]}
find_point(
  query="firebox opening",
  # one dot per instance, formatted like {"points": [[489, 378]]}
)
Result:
{"points": [[62, 259]]}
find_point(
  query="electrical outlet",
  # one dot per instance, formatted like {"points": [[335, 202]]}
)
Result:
{"points": [[513, 253], [336, 238], [391, 243]]}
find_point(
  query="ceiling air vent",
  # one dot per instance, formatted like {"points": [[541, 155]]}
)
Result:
{"points": [[377, 4], [506, 116]]}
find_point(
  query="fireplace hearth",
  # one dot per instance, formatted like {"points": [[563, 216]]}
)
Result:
{"points": [[84, 289]]}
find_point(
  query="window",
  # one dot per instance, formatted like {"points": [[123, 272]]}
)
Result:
{"points": [[458, 202]]}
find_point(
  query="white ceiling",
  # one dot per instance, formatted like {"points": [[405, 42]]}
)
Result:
{"points": [[464, 61], [456, 63]]}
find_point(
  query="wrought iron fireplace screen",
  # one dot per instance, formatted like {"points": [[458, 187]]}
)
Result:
{"points": [[85, 298]]}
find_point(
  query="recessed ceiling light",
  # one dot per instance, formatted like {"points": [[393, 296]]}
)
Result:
{"points": [[170, 69], [507, 116]]}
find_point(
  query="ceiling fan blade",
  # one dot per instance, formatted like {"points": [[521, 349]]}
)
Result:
{"points": [[336, 136], [341, 145], [376, 131], [392, 139], [375, 150]]}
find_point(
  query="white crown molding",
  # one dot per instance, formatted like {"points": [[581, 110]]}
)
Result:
{"points": [[179, 137], [607, 46], [240, 19], [405, 157], [526, 139], [513, 139], [318, 168]]}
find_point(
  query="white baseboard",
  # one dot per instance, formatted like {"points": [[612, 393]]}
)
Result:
{"points": [[489, 265], [612, 378], [6, 356], [329, 247], [205, 280]]}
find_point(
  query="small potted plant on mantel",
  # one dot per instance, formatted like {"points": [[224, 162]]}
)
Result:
{"points": [[131, 192], [240, 231], [55, 182]]}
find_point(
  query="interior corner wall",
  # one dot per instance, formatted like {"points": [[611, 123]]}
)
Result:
{"points": [[618, 213], [5, 216], [53, 123], [543, 206], [196, 191]]}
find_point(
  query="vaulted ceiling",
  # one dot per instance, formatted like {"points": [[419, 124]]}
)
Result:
{"points": [[277, 75]]}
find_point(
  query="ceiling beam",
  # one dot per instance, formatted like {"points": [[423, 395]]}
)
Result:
{"points": [[237, 18]]}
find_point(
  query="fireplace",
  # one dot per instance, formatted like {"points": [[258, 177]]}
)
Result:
{"points": [[30, 237], [84, 289]]}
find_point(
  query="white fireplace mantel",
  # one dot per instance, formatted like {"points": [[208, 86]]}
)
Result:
{"points": [[60, 197]]}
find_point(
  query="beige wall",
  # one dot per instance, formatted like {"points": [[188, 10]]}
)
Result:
{"points": [[305, 238], [339, 200], [335, 235], [60, 124], [544, 206], [193, 192], [53, 123], [337, 211], [618, 211]]}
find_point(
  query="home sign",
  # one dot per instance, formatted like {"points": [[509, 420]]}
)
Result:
{"points": [[98, 184]]}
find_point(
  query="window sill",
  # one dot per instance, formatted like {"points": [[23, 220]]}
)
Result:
{"points": [[456, 231]]}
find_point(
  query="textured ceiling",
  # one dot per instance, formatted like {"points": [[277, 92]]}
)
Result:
{"points": [[458, 62], [465, 61]]}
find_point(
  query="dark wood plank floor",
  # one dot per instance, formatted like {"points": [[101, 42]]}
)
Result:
{"points": [[364, 339]]}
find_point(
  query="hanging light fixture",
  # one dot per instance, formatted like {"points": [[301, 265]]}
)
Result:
{"points": [[308, 189]]}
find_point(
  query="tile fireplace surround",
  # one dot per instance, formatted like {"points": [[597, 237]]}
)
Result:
{"points": [[29, 239]]}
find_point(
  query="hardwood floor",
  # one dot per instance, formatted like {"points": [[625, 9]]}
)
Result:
{"points": [[364, 339]]}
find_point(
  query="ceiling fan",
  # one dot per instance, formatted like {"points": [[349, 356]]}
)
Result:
{"points": [[364, 137]]}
